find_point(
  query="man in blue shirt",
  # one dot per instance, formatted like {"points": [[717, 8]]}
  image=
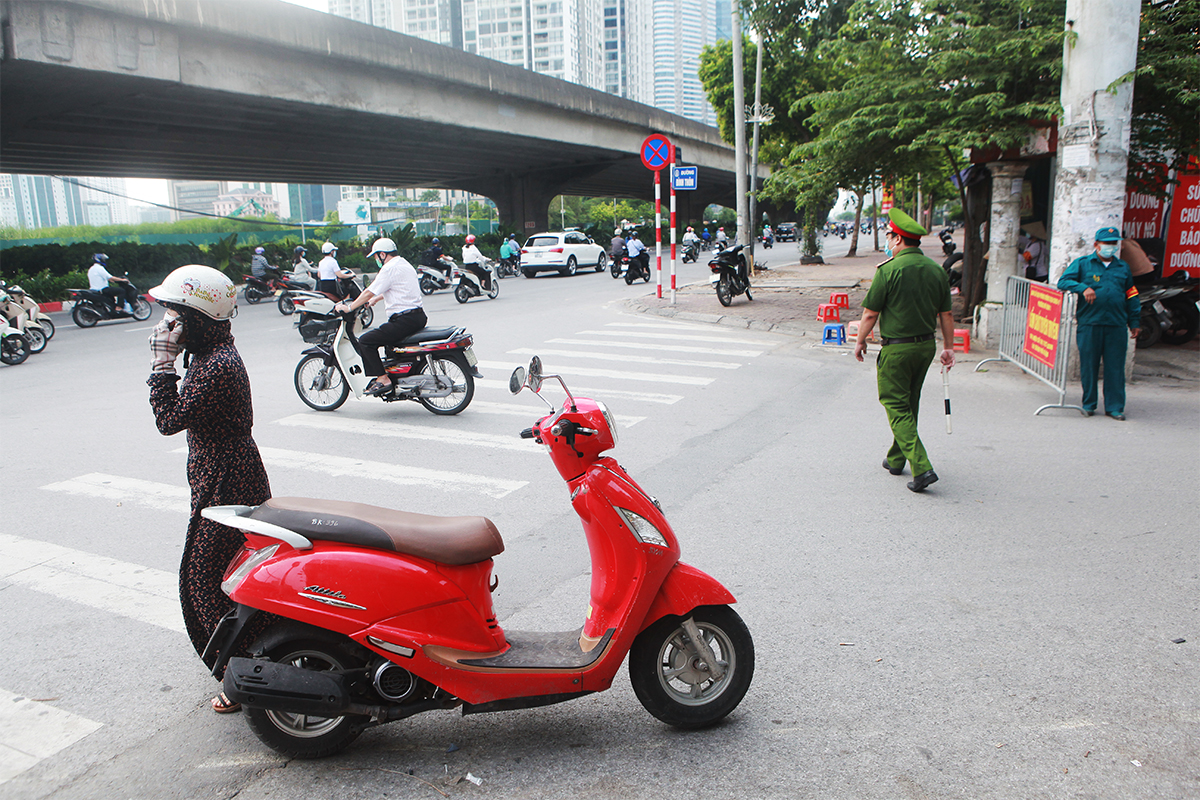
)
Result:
{"points": [[1109, 305]]}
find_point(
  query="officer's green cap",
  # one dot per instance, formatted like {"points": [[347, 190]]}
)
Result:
{"points": [[905, 225]]}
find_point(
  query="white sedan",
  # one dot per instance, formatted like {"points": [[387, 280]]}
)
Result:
{"points": [[564, 252]]}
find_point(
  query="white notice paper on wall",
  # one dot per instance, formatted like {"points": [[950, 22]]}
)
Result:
{"points": [[1076, 156]]}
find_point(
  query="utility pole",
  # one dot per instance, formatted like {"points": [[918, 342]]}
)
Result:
{"points": [[759, 116], [739, 125], [1093, 137]]}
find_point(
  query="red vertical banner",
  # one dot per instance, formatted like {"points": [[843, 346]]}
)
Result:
{"points": [[887, 200], [1183, 231], [1042, 323]]}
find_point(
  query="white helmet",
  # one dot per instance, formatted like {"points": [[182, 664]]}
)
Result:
{"points": [[329, 247], [201, 288], [382, 246]]}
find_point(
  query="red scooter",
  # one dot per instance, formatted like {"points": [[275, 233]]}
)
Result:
{"points": [[381, 614]]}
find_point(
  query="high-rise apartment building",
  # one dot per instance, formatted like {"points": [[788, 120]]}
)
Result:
{"points": [[193, 199], [682, 28], [42, 201]]}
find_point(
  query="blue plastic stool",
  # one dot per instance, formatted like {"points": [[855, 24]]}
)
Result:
{"points": [[835, 333]]}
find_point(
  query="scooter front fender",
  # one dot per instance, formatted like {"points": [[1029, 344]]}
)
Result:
{"points": [[684, 589]]}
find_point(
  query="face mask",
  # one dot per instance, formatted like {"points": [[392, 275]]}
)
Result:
{"points": [[1108, 250], [888, 252]]}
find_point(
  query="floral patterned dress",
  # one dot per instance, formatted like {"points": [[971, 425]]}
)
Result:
{"points": [[224, 467]]}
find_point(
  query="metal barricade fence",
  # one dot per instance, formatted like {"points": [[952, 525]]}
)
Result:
{"points": [[1015, 325]]}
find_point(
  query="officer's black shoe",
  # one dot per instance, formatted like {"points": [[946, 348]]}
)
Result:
{"points": [[891, 469], [1120, 417], [923, 480], [1087, 412]]}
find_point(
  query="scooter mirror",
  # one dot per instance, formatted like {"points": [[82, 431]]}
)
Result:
{"points": [[535, 374], [517, 382]]}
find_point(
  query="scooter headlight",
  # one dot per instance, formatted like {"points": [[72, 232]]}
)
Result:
{"points": [[609, 421], [642, 528], [230, 584]]}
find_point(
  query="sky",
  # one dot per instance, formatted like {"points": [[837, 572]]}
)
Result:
{"points": [[152, 190]]}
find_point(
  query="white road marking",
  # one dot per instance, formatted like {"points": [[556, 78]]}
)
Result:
{"points": [[340, 466], [363, 427], [625, 358], [677, 336], [149, 494], [128, 590], [617, 374], [533, 414], [600, 394], [666, 348], [689, 326], [140, 330], [31, 731]]}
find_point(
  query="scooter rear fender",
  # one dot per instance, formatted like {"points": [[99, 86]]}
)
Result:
{"points": [[684, 589]]}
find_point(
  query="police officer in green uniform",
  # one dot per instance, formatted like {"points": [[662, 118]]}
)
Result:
{"points": [[910, 298], [1110, 306]]}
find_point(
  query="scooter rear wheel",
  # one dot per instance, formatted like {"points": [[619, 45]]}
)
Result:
{"points": [[670, 678], [427, 285], [321, 388], [448, 368], [303, 735], [461, 293], [725, 291], [85, 316]]}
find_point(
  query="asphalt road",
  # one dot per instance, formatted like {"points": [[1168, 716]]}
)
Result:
{"points": [[1007, 634]]}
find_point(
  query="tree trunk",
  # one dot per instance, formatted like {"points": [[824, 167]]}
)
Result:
{"points": [[853, 251]]}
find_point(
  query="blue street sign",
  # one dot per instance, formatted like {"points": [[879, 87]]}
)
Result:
{"points": [[683, 178]]}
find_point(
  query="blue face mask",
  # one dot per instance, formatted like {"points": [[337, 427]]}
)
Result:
{"points": [[1108, 250], [888, 252]]}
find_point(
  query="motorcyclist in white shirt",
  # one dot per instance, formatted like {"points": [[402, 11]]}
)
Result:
{"points": [[474, 261], [400, 291], [98, 281], [691, 238], [329, 271], [637, 250]]}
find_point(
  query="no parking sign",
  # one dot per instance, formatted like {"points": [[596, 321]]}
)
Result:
{"points": [[656, 152]]}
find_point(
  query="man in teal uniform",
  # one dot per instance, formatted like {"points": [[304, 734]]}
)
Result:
{"points": [[1110, 305], [910, 298]]}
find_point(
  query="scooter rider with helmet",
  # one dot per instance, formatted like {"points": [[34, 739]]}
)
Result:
{"points": [[397, 285], [98, 281], [637, 251], [473, 260], [259, 267], [432, 257], [329, 271]]}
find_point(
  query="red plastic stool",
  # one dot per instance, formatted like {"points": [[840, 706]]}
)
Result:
{"points": [[852, 331], [962, 336], [840, 299], [827, 312]]}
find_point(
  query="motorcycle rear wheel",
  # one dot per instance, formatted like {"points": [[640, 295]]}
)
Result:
{"points": [[615, 267], [14, 350], [725, 291], [303, 735], [85, 316], [463, 381], [37, 339], [253, 295], [673, 684], [461, 293], [1150, 331], [1185, 325], [321, 388]]}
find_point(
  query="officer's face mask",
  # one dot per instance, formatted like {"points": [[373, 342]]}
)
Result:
{"points": [[1107, 250]]}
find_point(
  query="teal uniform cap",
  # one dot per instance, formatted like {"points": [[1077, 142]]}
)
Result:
{"points": [[1108, 235]]}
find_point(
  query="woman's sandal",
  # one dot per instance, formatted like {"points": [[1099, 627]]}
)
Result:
{"points": [[223, 705]]}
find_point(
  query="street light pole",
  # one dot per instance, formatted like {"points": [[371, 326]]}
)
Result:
{"points": [[739, 124]]}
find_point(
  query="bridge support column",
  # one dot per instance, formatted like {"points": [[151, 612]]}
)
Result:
{"points": [[521, 202]]}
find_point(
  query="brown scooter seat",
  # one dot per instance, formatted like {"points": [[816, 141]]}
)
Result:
{"points": [[447, 540]]}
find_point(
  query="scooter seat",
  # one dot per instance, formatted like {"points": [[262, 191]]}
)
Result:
{"points": [[427, 335], [446, 540]]}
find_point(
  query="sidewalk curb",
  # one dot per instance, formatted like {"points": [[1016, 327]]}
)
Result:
{"points": [[670, 312]]}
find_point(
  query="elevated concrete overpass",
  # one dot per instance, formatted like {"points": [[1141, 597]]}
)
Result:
{"points": [[263, 90]]}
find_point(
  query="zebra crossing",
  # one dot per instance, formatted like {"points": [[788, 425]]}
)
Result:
{"points": [[642, 368]]}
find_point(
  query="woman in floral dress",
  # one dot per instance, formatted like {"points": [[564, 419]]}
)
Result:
{"points": [[212, 403]]}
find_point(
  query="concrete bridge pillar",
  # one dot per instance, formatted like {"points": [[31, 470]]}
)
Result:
{"points": [[521, 202]]}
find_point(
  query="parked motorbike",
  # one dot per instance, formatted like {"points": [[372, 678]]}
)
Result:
{"points": [[14, 345], [431, 279], [435, 366], [92, 307], [379, 615], [1169, 311], [690, 252], [467, 284], [16, 316], [730, 277], [953, 257]]}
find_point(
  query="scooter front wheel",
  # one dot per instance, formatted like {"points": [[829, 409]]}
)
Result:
{"points": [[286, 304], [321, 387], [671, 678], [303, 735]]}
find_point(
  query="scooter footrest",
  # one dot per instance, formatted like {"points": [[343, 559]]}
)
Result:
{"points": [[283, 687], [536, 650]]}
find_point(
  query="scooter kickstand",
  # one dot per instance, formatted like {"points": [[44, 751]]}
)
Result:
{"points": [[700, 645]]}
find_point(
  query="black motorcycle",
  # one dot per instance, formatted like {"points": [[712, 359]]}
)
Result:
{"points": [[636, 267], [91, 307], [730, 277], [950, 250]]}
